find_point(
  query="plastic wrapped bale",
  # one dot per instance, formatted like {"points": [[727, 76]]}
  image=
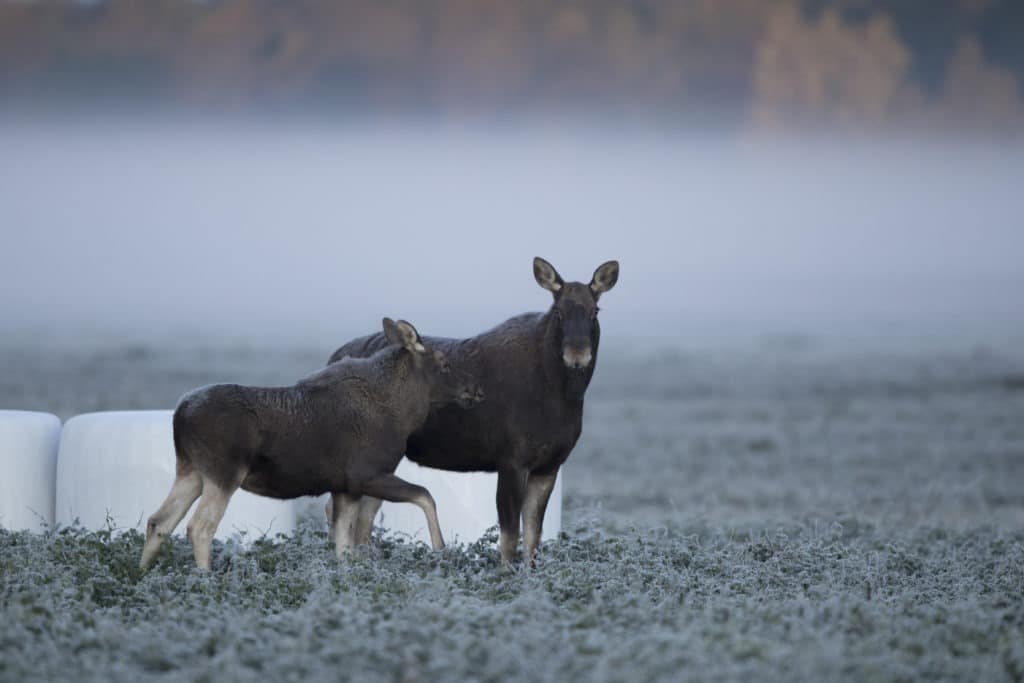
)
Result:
{"points": [[120, 465], [28, 456], [465, 505]]}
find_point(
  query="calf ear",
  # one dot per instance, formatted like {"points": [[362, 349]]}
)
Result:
{"points": [[546, 275], [605, 277], [403, 334]]}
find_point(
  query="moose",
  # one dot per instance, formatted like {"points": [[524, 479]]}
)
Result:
{"points": [[535, 369], [342, 431]]}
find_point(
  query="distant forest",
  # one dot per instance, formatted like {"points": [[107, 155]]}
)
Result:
{"points": [[766, 64]]}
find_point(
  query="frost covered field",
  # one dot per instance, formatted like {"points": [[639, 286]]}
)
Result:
{"points": [[779, 510]]}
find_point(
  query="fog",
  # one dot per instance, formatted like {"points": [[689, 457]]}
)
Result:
{"points": [[309, 232]]}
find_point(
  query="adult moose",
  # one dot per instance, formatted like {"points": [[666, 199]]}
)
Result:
{"points": [[341, 431], [534, 369]]}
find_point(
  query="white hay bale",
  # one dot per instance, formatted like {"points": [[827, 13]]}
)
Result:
{"points": [[28, 463], [465, 505], [121, 464]]}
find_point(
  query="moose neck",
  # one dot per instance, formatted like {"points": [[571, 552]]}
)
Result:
{"points": [[571, 384]]}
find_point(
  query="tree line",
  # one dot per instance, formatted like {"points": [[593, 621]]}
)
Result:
{"points": [[767, 64]]}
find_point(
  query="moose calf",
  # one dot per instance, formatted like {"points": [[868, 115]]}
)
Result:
{"points": [[341, 431]]}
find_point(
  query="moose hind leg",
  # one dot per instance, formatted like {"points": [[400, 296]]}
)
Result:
{"points": [[345, 510], [538, 492], [186, 488], [206, 519], [396, 490], [510, 495], [368, 508]]}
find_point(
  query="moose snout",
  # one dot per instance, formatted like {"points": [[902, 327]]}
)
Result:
{"points": [[576, 357]]}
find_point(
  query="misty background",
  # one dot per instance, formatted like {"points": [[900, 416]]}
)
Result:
{"points": [[191, 231], [289, 173]]}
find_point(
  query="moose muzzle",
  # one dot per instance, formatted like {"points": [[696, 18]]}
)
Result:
{"points": [[576, 357]]}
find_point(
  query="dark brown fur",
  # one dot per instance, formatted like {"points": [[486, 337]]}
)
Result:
{"points": [[534, 412], [340, 430]]}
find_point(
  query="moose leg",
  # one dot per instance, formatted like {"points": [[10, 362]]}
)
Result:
{"points": [[538, 492], [396, 490], [343, 522], [368, 508], [511, 492], [187, 486], [203, 525]]}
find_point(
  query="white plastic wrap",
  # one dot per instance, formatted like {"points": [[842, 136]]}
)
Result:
{"points": [[465, 505], [121, 464], [28, 463]]}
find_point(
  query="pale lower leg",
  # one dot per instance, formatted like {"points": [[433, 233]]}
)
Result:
{"points": [[508, 543], [186, 488], [368, 509], [329, 510], [391, 488], [343, 522], [509, 497], [203, 525], [426, 503], [538, 492]]}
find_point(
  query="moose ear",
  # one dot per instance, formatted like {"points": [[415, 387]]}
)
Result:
{"points": [[605, 277], [407, 337], [403, 334], [546, 275], [391, 332]]}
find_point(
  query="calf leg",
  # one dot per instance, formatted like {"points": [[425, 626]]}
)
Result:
{"points": [[391, 488], [343, 522], [186, 488], [206, 519], [538, 492], [368, 508], [511, 491]]}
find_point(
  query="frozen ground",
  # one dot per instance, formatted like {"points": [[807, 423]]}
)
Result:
{"points": [[782, 511]]}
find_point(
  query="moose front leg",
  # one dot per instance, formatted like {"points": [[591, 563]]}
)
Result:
{"points": [[344, 510], [510, 495], [368, 509], [396, 490], [538, 492]]}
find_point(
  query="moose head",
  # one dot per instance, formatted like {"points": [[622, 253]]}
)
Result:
{"points": [[446, 386], [574, 317]]}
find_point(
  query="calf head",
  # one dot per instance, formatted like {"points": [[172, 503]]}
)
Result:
{"points": [[574, 314], [444, 385]]}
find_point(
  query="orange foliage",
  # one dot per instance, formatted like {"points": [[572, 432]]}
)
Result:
{"points": [[671, 57]]}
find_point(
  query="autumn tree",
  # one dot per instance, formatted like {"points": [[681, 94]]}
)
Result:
{"points": [[825, 72]]}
